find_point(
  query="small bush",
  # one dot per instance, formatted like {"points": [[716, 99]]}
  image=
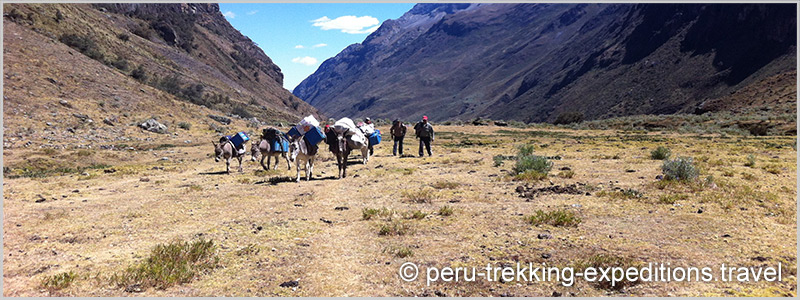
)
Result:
{"points": [[416, 215], [526, 150], [394, 228], [681, 169], [369, 213], [401, 252], [170, 264], [446, 211], [751, 161], [661, 153], [59, 281], [139, 74], [566, 174], [120, 63], [84, 44], [498, 160], [568, 118], [425, 195], [554, 218], [124, 37], [441, 185], [539, 164], [672, 198], [185, 125], [607, 261]]}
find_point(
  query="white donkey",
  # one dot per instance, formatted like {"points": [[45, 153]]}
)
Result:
{"points": [[264, 148], [302, 150], [226, 150]]}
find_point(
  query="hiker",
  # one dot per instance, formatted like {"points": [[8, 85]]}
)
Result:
{"points": [[370, 128], [398, 133], [424, 132]]}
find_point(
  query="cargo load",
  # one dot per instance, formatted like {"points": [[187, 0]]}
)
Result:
{"points": [[239, 139], [375, 137], [307, 124], [314, 135], [279, 145], [345, 126]]}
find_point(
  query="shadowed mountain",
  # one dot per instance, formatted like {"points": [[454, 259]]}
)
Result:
{"points": [[534, 62]]}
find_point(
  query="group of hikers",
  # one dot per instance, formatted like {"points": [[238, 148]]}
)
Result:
{"points": [[422, 130]]}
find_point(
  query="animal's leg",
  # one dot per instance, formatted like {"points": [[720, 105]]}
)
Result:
{"points": [[286, 157], [228, 166], [310, 170], [263, 156], [240, 164], [365, 154], [339, 164], [297, 165]]}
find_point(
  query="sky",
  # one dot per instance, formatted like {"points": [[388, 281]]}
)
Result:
{"points": [[298, 37]]}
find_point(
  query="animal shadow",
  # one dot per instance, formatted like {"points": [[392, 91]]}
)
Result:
{"points": [[214, 173]]}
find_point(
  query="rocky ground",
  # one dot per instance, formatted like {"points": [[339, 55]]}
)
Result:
{"points": [[96, 211]]}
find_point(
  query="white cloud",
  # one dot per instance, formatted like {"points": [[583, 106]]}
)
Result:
{"points": [[319, 45], [348, 24], [252, 12], [229, 14], [299, 47], [306, 60]]}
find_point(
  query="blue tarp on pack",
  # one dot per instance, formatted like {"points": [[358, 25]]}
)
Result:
{"points": [[375, 137], [239, 138]]}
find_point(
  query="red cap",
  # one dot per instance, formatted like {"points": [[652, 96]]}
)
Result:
{"points": [[424, 117]]}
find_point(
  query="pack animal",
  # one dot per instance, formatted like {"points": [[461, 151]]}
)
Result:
{"points": [[264, 149], [225, 150], [301, 150]]}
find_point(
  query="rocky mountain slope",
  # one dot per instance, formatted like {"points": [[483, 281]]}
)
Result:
{"points": [[535, 62], [188, 52]]}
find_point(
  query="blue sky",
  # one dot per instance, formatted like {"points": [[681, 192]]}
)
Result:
{"points": [[298, 37]]}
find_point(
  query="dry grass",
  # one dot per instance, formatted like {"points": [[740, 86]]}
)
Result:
{"points": [[268, 230], [168, 265]]}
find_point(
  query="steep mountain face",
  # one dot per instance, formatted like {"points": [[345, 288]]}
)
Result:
{"points": [[187, 50], [534, 62]]}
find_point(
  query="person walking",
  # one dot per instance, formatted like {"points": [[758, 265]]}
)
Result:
{"points": [[398, 133], [424, 132], [368, 132]]}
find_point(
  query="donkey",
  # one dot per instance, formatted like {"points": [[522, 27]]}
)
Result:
{"points": [[301, 149], [226, 150], [264, 148], [341, 147]]}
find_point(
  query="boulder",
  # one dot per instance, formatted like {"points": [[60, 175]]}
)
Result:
{"points": [[153, 126], [221, 119]]}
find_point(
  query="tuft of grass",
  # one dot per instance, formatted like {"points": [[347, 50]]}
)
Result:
{"points": [[772, 169], [563, 218], [672, 198], [416, 215], [394, 228], [194, 188], [425, 195], [660, 153], [680, 169], [251, 249], [404, 171], [185, 125], [401, 252], [369, 213], [566, 174], [446, 211], [498, 160], [607, 261], [530, 175], [751, 161], [441, 185], [170, 264], [526, 150], [59, 281]]}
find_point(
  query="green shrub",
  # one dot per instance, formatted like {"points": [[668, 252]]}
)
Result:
{"points": [[185, 125], [751, 161], [568, 118], [394, 228], [498, 160], [563, 218], [84, 44], [139, 74], [661, 153], [446, 211], [59, 281], [538, 164], [170, 264], [526, 150], [682, 169]]}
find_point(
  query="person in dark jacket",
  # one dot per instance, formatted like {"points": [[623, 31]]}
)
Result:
{"points": [[398, 133], [424, 132]]}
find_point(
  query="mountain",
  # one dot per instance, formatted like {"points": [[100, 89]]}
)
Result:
{"points": [[187, 51], [535, 62]]}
